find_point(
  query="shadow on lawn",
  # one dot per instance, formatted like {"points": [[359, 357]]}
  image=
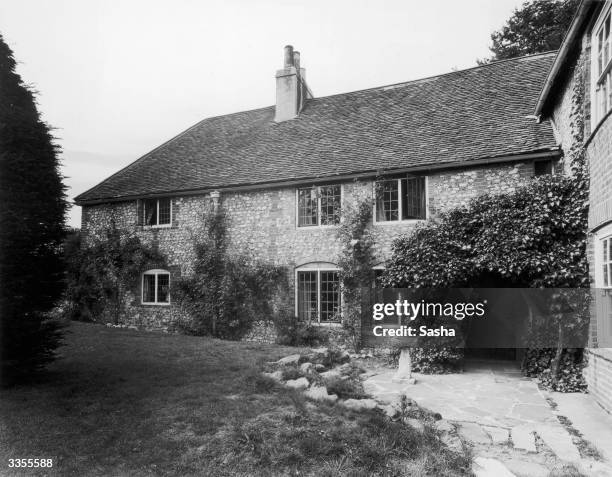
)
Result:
{"points": [[123, 402]]}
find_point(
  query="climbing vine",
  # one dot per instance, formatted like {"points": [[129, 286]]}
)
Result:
{"points": [[533, 237], [102, 271], [227, 292], [356, 262]]}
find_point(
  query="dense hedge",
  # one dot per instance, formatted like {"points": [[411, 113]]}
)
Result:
{"points": [[533, 237]]}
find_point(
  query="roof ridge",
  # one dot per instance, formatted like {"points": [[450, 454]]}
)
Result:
{"points": [[448, 73]]}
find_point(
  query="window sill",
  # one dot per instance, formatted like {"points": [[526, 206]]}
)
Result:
{"points": [[316, 227], [154, 304], [334, 324], [165, 226], [397, 222]]}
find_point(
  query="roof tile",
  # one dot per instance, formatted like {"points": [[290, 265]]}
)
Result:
{"points": [[481, 112]]}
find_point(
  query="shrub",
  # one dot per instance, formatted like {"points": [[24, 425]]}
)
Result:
{"points": [[291, 332], [533, 237], [261, 383], [102, 271], [538, 363], [436, 360], [345, 388], [291, 372], [226, 292]]}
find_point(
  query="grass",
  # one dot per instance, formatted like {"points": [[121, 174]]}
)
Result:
{"points": [[124, 402]]}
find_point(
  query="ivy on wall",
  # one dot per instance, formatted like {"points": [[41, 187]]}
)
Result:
{"points": [[356, 263], [103, 271], [533, 237], [227, 292]]}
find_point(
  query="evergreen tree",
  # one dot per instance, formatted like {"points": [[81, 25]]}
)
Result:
{"points": [[32, 213], [538, 26]]}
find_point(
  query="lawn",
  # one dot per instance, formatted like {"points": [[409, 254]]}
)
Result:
{"points": [[125, 402]]}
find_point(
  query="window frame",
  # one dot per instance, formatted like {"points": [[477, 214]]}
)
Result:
{"points": [[156, 273], [603, 296], [603, 259], [318, 225], [400, 202], [157, 225], [319, 270], [605, 77]]}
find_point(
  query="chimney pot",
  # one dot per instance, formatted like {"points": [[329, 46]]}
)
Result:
{"points": [[291, 89], [296, 60], [288, 56]]}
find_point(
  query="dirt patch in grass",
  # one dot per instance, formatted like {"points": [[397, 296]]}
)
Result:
{"points": [[124, 402]]}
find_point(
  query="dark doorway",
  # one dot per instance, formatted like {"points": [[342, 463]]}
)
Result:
{"points": [[495, 334]]}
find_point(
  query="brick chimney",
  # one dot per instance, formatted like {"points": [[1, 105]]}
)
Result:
{"points": [[291, 89]]}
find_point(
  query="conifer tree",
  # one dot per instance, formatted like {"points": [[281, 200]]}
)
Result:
{"points": [[32, 213]]}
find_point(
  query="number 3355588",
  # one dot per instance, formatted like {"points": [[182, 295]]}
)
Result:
{"points": [[30, 462]]}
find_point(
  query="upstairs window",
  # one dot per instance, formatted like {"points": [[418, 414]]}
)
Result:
{"points": [[401, 199], [157, 212], [542, 168], [156, 287], [319, 206], [602, 46]]}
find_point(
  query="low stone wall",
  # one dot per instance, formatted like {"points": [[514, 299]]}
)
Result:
{"points": [[598, 375]]}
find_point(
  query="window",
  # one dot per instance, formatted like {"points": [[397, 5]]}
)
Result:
{"points": [[319, 206], [157, 212], [156, 287], [542, 168], [401, 199], [318, 296], [603, 283], [606, 262], [602, 66]]}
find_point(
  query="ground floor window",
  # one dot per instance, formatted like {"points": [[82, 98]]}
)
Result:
{"points": [[156, 287], [606, 262], [318, 296], [603, 282]]}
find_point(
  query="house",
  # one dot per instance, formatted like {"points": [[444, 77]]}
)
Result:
{"points": [[585, 60], [283, 174]]}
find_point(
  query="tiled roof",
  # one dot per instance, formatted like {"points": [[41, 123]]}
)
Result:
{"points": [[478, 113]]}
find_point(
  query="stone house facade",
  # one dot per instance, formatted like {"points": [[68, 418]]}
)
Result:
{"points": [[586, 57], [283, 175]]}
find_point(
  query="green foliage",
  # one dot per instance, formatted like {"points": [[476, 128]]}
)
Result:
{"points": [[538, 26], [345, 388], [226, 293], [356, 263], [533, 237], [538, 363], [101, 272], [31, 228], [291, 332], [436, 360]]}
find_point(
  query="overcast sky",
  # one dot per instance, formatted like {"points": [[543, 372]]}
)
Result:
{"points": [[118, 78]]}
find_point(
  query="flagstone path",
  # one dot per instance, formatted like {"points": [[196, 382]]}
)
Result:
{"points": [[493, 407]]}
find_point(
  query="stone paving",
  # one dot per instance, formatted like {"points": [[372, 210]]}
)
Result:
{"points": [[492, 404]]}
